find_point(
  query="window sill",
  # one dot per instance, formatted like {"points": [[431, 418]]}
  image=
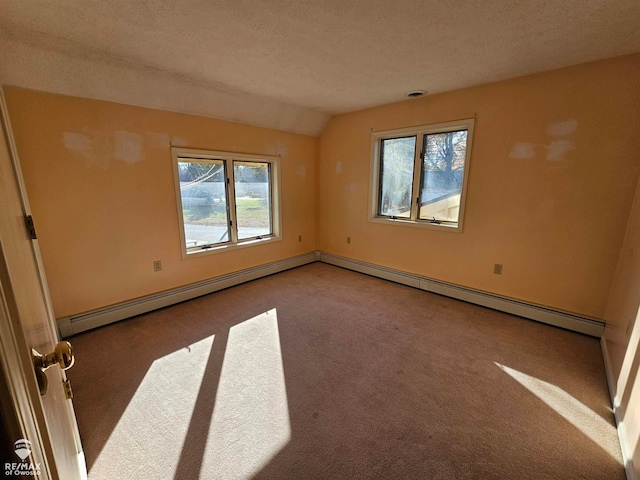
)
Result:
{"points": [[443, 227], [229, 247]]}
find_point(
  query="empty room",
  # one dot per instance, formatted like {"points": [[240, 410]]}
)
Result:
{"points": [[296, 240]]}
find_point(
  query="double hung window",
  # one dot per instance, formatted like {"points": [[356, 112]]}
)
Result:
{"points": [[225, 199], [420, 174]]}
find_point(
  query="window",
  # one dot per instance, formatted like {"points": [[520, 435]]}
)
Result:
{"points": [[420, 175], [225, 199]]}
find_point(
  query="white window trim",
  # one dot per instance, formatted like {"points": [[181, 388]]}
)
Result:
{"points": [[276, 235], [419, 132]]}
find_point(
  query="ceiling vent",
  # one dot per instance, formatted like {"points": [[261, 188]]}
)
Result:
{"points": [[416, 93]]}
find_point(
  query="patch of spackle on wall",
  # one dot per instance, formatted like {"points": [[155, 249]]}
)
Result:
{"points": [[556, 150], [338, 168], [128, 147], [301, 171], [99, 149], [522, 151], [78, 142], [95, 148]]}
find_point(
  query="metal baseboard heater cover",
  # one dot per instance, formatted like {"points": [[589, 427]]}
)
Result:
{"points": [[569, 321], [86, 321], [74, 324]]}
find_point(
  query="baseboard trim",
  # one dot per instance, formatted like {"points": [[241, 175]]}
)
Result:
{"points": [[622, 434], [74, 324], [569, 321]]}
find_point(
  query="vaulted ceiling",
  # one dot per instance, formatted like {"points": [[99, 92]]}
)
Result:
{"points": [[291, 64]]}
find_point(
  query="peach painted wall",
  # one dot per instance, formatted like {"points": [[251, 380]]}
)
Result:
{"points": [[555, 218], [622, 337], [100, 181]]}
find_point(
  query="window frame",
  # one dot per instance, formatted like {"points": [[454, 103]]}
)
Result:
{"points": [[180, 154], [419, 132]]}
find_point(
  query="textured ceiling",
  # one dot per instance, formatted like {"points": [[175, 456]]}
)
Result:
{"points": [[297, 62]]}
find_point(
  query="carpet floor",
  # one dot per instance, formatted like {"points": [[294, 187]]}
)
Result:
{"points": [[319, 372]]}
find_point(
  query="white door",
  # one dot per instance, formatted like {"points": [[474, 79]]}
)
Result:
{"points": [[28, 323]]}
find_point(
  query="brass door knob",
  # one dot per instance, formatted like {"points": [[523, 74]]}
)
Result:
{"points": [[62, 355]]}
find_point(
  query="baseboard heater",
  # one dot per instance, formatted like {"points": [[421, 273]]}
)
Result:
{"points": [[569, 321], [74, 324], [86, 321]]}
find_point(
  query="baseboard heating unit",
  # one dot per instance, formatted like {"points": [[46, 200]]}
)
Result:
{"points": [[74, 324], [569, 321]]}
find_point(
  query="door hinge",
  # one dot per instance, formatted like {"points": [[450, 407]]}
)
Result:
{"points": [[31, 229], [66, 386]]}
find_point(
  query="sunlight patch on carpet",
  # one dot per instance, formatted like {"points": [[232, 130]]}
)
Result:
{"points": [[250, 423], [149, 437], [570, 408]]}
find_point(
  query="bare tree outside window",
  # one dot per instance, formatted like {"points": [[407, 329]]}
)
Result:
{"points": [[442, 171], [424, 188]]}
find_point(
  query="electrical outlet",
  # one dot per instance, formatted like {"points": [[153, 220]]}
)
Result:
{"points": [[299, 238], [348, 239], [497, 269], [157, 265]]}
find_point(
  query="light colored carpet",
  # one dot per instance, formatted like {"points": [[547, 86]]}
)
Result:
{"points": [[319, 372]]}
